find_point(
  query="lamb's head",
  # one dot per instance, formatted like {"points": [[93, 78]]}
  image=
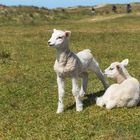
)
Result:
{"points": [[58, 38], [116, 69]]}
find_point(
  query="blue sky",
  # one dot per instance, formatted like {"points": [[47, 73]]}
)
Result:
{"points": [[62, 3]]}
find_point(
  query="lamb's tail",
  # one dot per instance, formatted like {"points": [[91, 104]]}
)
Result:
{"points": [[94, 66]]}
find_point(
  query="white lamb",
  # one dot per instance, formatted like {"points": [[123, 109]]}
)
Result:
{"points": [[126, 93], [69, 64]]}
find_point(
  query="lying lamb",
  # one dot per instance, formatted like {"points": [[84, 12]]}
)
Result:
{"points": [[72, 65], [126, 93]]}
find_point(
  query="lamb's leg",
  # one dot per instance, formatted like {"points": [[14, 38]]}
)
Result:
{"points": [[132, 103], [111, 104], [75, 92], [95, 67], [100, 102], [84, 84], [60, 83]]}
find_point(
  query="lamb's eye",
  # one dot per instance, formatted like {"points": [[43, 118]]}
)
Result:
{"points": [[111, 69], [60, 37]]}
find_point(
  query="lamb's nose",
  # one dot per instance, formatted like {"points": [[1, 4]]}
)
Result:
{"points": [[49, 42]]}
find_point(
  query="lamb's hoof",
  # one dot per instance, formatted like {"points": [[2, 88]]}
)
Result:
{"points": [[109, 107], [82, 94], [59, 111], [80, 108], [99, 102]]}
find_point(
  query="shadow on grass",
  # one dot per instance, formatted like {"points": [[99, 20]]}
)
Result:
{"points": [[138, 104], [89, 99]]}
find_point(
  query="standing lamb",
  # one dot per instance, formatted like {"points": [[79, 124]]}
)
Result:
{"points": [[126, 93], [69, 64]]}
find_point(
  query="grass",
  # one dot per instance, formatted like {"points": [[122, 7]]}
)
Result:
{"points": [[28, 88]]}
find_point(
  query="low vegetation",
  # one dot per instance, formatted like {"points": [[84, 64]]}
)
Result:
{"points": [[36, 16]]}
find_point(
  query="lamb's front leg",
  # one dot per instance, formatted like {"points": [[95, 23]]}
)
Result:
{"points": [[111, 104], [76, 94], [60, 82], [100, 101]]}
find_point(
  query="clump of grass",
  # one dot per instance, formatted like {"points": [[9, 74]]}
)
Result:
{"points": [[5, 56]]}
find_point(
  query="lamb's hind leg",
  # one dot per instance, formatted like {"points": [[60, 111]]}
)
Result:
{"points": [[75, 92], [83, 90], [95, 67], [60, 83]]}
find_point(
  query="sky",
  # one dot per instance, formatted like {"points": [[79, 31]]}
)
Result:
{"points": [[62, 3]]}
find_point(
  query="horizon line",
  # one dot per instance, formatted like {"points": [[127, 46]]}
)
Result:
{"points": [[26, 5]]}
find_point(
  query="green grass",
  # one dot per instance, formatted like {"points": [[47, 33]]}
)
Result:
{"points": [[28, 88]]}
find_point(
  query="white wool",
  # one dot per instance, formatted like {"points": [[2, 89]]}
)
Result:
{"points": [[66, 65], [126, 93], [86, 58], [69, 64]]}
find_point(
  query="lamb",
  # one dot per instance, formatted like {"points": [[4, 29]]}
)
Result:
{"points": [[126, 93], [69, 64]]}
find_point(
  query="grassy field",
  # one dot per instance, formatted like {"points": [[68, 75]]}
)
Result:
{"points": [[28, 88]]}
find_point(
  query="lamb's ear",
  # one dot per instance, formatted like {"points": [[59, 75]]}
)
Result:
{"points": [[54, 30], [67, 33], [125, 62], [118, 67]]}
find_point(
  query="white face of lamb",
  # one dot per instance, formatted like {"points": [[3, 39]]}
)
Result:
{"points": [[58, 37], [113, 70]]}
